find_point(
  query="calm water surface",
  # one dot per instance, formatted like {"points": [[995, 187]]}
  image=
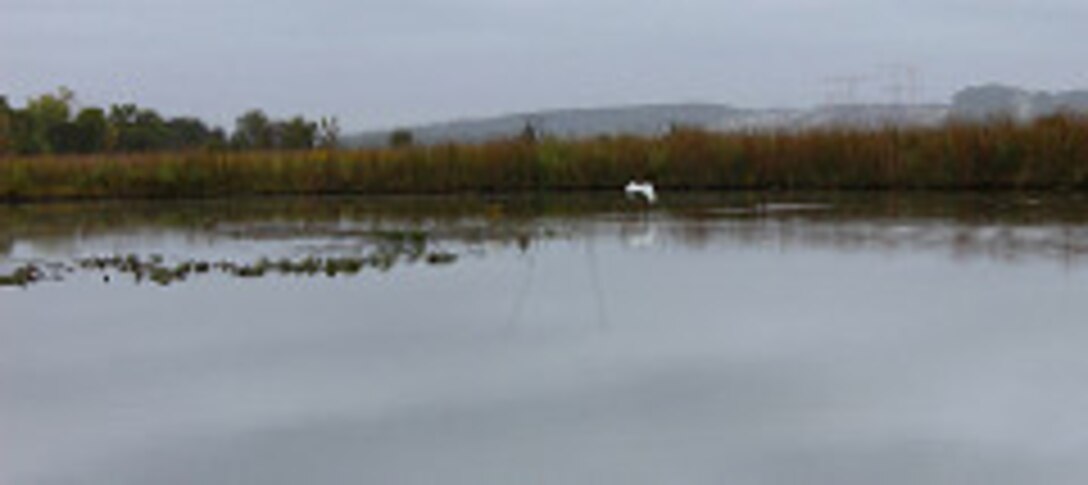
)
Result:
{"points": [[743, 340]]}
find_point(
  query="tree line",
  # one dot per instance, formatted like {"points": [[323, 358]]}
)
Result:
{"points": [[52, 124]]}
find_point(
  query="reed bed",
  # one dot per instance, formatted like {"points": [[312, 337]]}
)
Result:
{"points": [[1049, 154]]}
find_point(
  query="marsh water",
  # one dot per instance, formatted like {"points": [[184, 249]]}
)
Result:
{"points": [[741, 339]]}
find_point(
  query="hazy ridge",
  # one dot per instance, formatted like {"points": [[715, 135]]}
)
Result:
{"points": [[970, 104]]}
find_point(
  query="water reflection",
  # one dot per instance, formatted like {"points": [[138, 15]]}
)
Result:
{"points": [[1006, 227], [747, 338]]}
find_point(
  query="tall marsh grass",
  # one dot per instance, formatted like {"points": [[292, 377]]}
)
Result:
{"points": [[1049, 154]]}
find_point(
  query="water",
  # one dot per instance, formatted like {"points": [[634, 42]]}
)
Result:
{"points": [[743, 339]]}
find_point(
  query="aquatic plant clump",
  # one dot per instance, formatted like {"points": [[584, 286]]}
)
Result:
{"points": [[154, 269], [22, 276], [378, 249]]}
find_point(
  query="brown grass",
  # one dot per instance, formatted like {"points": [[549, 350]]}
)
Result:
{"points": [[1050, 154]]}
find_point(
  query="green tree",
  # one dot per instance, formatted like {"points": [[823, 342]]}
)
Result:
{"points": [[528, 133], [91, 131], [137, 130], [252, 130], [121, 120], [401, 137], [151, 131], [5, 126], [52, 109], [295, 134], [217, 140], [123, 114], [188, 133], [42, 122], [63, 138]]}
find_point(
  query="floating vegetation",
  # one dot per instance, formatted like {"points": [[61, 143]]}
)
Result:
{"points": [[388, 248], [156, 270], [441, 258], [22, 276], [380, 249], [341, 237]]}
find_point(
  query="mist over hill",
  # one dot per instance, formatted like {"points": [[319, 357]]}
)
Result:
{"points": [[975, 103], [566, 123], [996, 100]]}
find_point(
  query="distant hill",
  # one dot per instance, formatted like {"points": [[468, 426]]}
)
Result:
{"points": [[996, 100], [974, 103], [837, 116], [658, 119], [572, 123]]}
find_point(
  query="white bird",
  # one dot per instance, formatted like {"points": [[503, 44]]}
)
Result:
{"points": [[641, 189]]}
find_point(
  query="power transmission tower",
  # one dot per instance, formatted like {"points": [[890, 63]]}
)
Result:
{"points": [[844, 89], [902, 83]]}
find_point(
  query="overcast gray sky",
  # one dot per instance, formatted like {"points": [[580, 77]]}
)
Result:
{"points": [[379, 63]]}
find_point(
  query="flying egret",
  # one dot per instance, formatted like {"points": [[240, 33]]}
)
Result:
{"points": [[641, 189]]}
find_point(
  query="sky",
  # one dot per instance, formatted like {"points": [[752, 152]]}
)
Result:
{"points": [[384, 63]]}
